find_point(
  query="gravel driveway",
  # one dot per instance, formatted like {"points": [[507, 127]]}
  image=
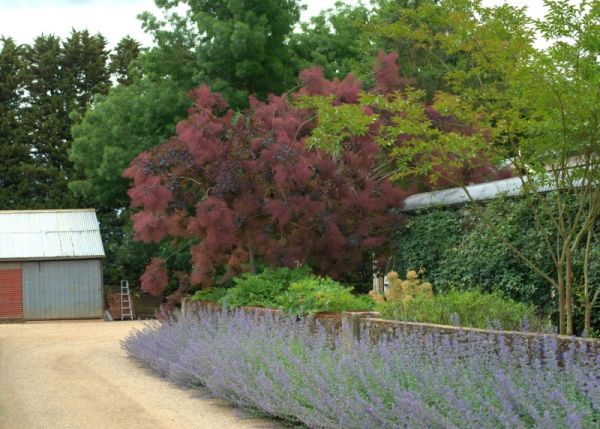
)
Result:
{"points": [[74, 375]]}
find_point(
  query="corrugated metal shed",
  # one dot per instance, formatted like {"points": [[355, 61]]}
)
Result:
{"points": [[62, 289], [480, 192], [50, 234]]}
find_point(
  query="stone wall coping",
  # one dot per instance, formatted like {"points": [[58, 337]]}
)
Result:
{"points": [[479, 331]]}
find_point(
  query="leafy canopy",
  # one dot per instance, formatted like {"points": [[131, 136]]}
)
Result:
{"points": [[509, 100], [237, 47], [131, 119]]}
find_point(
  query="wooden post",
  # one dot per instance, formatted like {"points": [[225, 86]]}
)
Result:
{"points": [[184, 301], [351, 324], [378, 280], [379, 284]]}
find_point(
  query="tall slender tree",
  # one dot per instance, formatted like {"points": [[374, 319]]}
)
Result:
{"points": [[84, 69], [62, 79], [47, 123], [14, 151]]}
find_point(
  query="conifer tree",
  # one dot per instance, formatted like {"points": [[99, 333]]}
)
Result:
{"points": [[14, 152], [127, 50], [84, 71], [240, 47], [46, 120], [62, 79]]}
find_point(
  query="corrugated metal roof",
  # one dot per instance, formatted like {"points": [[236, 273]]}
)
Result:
{"points": [[480, 192], [50, 234]]}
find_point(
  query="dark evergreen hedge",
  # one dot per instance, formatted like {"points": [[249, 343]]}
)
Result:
{"points": [[457, 250]]}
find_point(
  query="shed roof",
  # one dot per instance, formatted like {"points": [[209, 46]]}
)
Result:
{"points": [[480, 192], [50, 234]]}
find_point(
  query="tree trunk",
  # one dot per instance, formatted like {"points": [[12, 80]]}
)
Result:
{"points": [[588, 302], [587, 317], [569, 294], [561, 301]]}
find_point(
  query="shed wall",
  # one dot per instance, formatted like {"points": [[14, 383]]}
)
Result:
{"points": [[62, 289]]}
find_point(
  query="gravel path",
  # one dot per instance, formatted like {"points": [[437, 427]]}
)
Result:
{"points": [[75, 375]]}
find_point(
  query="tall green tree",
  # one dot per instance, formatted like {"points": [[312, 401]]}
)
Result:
{"points": [[62, 79], [337, 40], [120, 125], [14, 148], [239, 46], [46, 119], [84, 69], [127, 50], [173, 55]]}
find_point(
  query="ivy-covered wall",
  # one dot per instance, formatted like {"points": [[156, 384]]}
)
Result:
{"points": [[454, 248]]}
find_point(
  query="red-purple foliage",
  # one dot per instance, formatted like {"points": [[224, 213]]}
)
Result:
{"points": [[246, 186], [386, 73], [155, 279]]}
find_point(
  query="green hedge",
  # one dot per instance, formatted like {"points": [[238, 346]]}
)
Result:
{"points": [[457, 250]]}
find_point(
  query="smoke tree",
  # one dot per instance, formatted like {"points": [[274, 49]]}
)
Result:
{"points": [[249, 187], [245, 188]]}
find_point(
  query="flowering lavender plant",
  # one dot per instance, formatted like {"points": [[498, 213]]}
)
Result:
{"points": [[280, 367]]}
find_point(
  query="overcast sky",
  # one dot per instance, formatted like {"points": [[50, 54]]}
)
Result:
{"points": [[24, 19]]}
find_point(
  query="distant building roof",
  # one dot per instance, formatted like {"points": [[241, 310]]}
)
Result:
{"points": [[480, 192], [50, 234]]}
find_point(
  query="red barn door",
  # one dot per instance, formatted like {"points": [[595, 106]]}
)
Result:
{"points": [[11, 292]]}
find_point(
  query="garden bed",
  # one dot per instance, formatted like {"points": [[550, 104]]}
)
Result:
{"points": [[278, 366], [369, 324]]}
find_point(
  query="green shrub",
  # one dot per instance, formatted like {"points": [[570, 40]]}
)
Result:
{"points": [[472, 308], [318, 294], [292, 290], [261, 289], [403, 290], [209, 294]]}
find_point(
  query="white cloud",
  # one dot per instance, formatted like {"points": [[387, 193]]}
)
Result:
{"points": [[114, 19], [23, 20]]}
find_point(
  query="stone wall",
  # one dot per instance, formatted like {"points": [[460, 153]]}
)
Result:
{"points": [[354, 326], [377, 329]]}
